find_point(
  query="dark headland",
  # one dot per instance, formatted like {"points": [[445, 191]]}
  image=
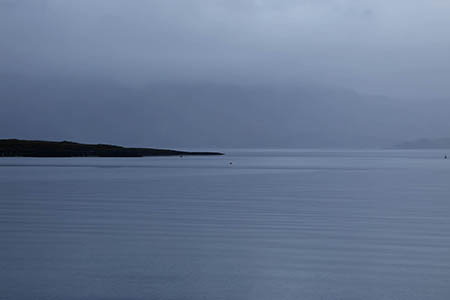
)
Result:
{"points": [[25, 148]]}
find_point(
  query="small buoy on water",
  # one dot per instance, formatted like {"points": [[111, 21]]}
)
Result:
{"points": [[445, 157]]}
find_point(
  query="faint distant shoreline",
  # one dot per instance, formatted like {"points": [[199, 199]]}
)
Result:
{"points": [[38, 148], [424, 143]]}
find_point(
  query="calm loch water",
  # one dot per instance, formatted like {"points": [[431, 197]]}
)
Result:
{"points": [[284, 224]]}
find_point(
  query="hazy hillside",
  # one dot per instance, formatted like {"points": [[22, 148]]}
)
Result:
{"points": [[424, 143], [209, 114]]}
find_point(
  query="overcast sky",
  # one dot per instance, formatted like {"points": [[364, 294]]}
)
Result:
{"points": [[225, 73], [397, 48]]}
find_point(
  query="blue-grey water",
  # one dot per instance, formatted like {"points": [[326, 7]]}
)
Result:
{"points": [[285, 224]]}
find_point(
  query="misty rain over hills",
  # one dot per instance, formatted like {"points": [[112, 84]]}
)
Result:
{"points": [[329, 73], [202, 114]]}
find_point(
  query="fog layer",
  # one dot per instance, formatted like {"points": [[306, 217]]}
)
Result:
{"points": [[225, 73]]}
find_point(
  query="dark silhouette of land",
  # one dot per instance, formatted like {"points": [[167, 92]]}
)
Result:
{"points": [[26, 148]]}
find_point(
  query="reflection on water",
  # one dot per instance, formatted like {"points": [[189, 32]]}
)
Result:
{"points": [[273, 225]]}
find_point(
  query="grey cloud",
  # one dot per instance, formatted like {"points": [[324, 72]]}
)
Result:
{"points": [[378, 47], [259, 71]]}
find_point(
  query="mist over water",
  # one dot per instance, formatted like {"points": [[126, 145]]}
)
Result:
{"points": [[286, 224]]}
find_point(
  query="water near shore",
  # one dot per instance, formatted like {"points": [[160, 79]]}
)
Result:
{"points": [[273, 225]]}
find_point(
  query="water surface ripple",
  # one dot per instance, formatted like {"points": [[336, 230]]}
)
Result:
{"points": [[278, 224]]}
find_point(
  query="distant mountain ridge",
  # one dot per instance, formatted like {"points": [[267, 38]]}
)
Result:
{"points": [[425, 143], [28, 148]]}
